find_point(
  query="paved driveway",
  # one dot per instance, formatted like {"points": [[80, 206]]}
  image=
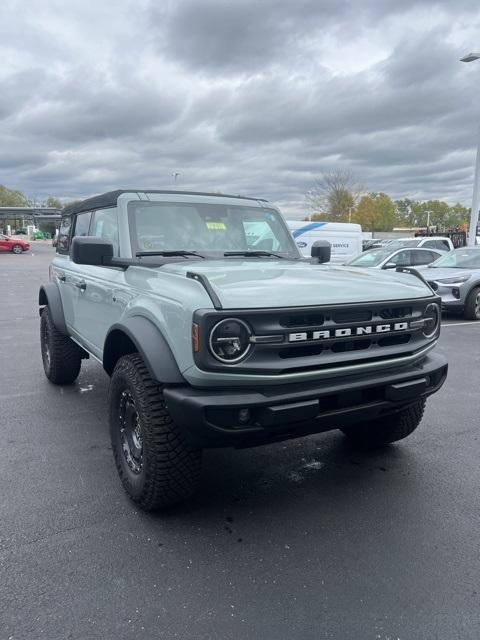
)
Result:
{"points": [[306, 539]]}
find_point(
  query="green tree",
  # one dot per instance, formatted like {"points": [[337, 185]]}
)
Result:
{"points": [[375, 212], [404, 212], [435, 213], [11, 198], [458, 216]]}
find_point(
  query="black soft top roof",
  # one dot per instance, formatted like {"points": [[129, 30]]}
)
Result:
{"points": [[110, 198]]}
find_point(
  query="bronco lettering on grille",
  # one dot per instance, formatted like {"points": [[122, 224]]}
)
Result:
{"points": [[326, 334]]}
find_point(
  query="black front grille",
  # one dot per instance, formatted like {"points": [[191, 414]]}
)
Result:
{"points": [[309, 338], [391, 313], [351, 315], [350, 345], [390, 341], [303, 320], [301, 351]]}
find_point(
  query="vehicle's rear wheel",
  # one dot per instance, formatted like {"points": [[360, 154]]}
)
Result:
{"points": [[17, 248], [389, 428], [156, 464], [61, 357], [472, 305]]}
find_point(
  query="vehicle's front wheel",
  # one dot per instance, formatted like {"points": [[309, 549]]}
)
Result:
{"points": [[156, 464], [389, 428], [61, 357], [472, 305], [17, 248]]}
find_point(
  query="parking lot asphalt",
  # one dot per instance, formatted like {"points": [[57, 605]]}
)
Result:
{"points": [[305, 539]]}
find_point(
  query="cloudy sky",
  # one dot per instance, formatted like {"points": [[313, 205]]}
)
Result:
{"points": [[256, 97]]}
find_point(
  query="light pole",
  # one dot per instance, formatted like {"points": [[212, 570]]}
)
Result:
{"points": [[428, 221], [472, 235]]}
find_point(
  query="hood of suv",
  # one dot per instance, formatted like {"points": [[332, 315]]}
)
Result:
{"points": [[439, 273], [251, 283]]}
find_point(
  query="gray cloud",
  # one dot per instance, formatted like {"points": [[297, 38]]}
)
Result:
{"points": [[244, 97]]}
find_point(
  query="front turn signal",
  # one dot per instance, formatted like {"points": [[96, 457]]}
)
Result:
{"points": [[195, 338]]}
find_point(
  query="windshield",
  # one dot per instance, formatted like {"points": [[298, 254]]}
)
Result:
{"points": [[459, 259], [403, 243], [208, 229], [370, 258]]}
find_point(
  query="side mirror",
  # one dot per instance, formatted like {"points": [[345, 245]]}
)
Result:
{"points": [[391, 265], [321, 251], [91, 250]]}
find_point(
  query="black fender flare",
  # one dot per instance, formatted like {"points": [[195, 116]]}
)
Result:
{"points": [[150, 344], [49, 296]]}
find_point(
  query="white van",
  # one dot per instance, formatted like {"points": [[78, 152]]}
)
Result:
{"points": [[344, 237]]}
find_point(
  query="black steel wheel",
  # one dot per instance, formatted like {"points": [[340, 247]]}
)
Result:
{"points": [[130, 432], [156, 465]]}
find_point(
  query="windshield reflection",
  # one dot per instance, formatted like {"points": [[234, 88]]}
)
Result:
{"points": [[458, 259]]}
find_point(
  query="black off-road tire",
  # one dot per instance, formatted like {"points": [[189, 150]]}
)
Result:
{"points": [[168, 469], [17, 249], [472, 305], [61, 357], [390, 428]]}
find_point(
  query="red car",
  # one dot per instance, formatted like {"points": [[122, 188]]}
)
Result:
{"points": [[8, 243]]}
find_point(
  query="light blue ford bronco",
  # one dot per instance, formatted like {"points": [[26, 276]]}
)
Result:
{"points": [[216, 332]]}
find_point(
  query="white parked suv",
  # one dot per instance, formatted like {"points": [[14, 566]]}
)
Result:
{"points": [[427, 242]]}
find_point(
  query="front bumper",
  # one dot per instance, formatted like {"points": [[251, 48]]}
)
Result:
{"points": [[211, 417], [452, 298]]}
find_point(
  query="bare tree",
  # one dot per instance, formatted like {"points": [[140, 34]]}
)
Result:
{"points": [[335, 194]]}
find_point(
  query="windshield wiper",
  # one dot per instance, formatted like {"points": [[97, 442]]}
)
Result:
{"points": [[167, 254], [253, 254]]}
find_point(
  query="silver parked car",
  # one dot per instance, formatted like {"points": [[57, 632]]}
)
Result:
{"points": [[391, 258], [456, 279]]}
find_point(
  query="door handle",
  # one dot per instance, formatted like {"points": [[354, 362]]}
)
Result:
{"points": [[62, 278], [81, 285]]}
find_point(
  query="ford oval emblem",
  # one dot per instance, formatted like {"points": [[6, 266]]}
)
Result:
{"points": [[301, 244]]}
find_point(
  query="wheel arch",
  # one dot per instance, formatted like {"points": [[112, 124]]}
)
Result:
{"points": [[475, 285], [49, 296], [138, 334]]}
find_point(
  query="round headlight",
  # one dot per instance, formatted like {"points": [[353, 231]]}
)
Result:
{"points": [[431, 320], [230, 340]]}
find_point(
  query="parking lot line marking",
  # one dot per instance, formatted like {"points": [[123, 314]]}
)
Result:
{"points": [[460, 324]]}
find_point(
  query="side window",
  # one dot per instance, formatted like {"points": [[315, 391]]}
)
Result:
{"points": [[443, 244], [402, 259], [105, 225], [63, 241], [82, 224], [423, 257], [430, 244]]}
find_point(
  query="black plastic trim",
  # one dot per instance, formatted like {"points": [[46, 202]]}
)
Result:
{"points": [[151, 345], [49, 295], [204, 281], [412, 271], [206, 416]]}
